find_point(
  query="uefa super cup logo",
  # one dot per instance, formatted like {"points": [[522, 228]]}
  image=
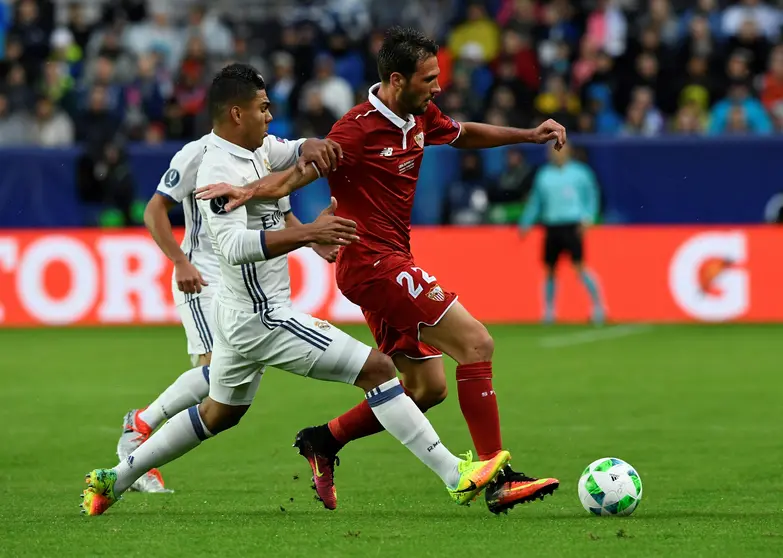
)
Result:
{"points": [[707, 276]]}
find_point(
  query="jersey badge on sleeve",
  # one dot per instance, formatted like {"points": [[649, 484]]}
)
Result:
{"points": [[171, 178], [320, 324]]}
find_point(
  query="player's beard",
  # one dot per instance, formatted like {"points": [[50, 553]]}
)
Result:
{"points": [[412, 104]]}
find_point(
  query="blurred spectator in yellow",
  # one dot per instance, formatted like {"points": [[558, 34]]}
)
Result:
{"points": [[478, 28]]}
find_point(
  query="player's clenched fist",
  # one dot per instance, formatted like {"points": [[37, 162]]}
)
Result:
{"points": [[188, 278]]}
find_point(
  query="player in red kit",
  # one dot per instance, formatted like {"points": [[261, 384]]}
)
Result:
{"points": [[413, 318]]}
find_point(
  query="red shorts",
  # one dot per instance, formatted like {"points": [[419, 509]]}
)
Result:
{"points": [[397, 298]]}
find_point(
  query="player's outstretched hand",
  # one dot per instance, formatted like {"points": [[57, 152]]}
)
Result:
{"points": [[236, 196], [551, 130], [330, 229], [325, 154], [188, 278]]}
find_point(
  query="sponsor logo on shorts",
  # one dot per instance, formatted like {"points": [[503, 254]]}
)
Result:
{"points": [[320, 324], [436, 294]]}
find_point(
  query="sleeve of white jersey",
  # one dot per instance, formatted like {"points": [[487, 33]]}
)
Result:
{"points": [[179, 181], [235, 242], [284, 204], [282, 153]]}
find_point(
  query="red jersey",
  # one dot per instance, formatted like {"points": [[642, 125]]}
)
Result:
{"points": [[376, 180]]}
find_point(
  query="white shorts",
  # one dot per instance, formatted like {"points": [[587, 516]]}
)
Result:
{"points": [[196, 317], [245, 343]]}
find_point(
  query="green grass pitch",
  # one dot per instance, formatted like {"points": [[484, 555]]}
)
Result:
{"points": [[696, 409]]}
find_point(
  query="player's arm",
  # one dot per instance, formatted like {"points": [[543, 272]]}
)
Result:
{"points": [[271, 187], [476, 135], [156, 219], [325, 154]]}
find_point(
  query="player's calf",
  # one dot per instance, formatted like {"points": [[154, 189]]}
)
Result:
{"points": [[218, 417]]}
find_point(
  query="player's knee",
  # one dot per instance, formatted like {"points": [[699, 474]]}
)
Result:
{"points": [[479, 345], [378, 369], [218, 417]]}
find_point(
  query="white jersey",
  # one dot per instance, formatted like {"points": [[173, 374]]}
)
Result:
{"points": [[179, 185], [249, 281]]}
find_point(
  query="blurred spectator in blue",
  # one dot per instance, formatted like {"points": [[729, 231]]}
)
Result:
{"points": [[207, 26], [315, 118], [564, 199], [336, 94], [557, 27], [766, 18], [348, 62], [710, 11], [14, 126], [5, 24], [466, 202], [605, 118], [471, 102], [143, 98], [280, 89], [373, 46], [102, 73], [478, 32], [51, 126], [739, 111]]}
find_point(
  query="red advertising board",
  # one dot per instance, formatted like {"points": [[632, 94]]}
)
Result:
{"points": [[647, 274]]}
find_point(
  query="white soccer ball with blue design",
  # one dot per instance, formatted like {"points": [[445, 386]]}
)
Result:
{"points": [[610, 486]]}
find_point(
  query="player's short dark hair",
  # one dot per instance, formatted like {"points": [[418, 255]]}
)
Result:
{"points": [[403, 48], [235, 84]]}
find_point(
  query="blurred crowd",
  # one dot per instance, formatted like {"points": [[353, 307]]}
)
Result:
{"points": [[94, 71], [102, 73]]}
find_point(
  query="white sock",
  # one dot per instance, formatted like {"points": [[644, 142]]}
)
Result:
{"points": [[187, 390], [401, 418], [178, 436]]}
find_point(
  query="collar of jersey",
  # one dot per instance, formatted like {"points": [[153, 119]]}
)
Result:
{"points": [[232, 148], [387, 112]]}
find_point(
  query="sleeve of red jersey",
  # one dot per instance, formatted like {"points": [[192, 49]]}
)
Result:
{"points": [[348, 132], [439, 129]]}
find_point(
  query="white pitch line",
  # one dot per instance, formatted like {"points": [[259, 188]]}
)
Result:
{"points": [[592, 336]]}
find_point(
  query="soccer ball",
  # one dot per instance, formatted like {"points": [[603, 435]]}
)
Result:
{"points": [[610, 486]]}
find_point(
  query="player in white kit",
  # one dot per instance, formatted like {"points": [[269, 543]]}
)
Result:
{"points": [[196, 277], [255, 325]]}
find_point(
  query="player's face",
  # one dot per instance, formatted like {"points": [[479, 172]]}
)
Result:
{"points": [[255, 119], [419, 91]]}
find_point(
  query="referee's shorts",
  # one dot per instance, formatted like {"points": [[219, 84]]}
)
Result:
{"points": [[559, 239]]}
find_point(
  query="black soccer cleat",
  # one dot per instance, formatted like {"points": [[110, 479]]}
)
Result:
{"points": [[511, 488]]}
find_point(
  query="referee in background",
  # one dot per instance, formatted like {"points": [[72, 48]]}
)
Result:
{"points": [[564, 199]]}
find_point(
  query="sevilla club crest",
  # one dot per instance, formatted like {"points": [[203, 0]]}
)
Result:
{"points": [[419, 139]]}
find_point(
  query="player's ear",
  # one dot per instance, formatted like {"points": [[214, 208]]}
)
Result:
{"points": [[236, 114], [397, 80]]}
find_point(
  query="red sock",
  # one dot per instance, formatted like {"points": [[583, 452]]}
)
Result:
{"points": [[480, 407], [356, 423]]}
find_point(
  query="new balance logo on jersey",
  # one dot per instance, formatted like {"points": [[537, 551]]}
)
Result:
{"points": [[387, 152]]}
